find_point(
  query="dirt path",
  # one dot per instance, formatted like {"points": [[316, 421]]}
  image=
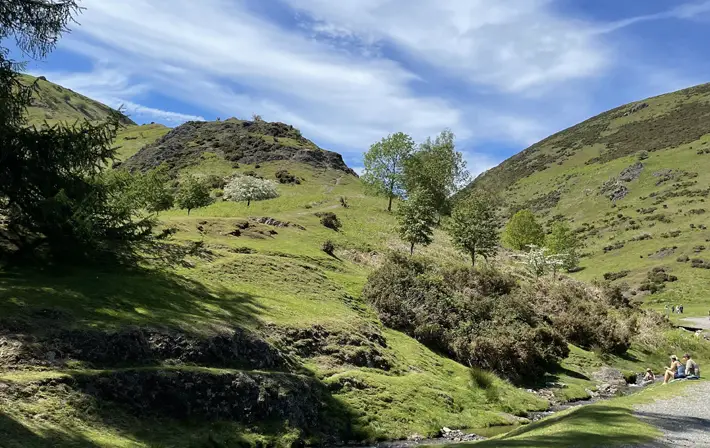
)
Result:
{"points": [[696, 322], [684, 420]]}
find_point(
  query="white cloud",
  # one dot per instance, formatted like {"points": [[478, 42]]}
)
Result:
{"points": [[512, 46], [197, 51]]}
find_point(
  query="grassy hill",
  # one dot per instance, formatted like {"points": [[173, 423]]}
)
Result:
{"points": [[53, 103], [257, 337], [633, 182]]}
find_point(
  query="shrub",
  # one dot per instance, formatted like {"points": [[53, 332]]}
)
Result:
{"points": [[611, 276], [343, 202], [472, 315], [284, 177], [247, 189], [329, 220], [328, 247]]}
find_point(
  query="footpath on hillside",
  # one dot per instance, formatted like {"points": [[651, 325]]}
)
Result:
{"points": [[684, 420]]}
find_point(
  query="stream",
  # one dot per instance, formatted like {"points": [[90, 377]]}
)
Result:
{"points": [[476, 434]]}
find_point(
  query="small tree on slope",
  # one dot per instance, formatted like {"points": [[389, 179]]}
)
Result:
{"points": [[247, 188], [563, 241], [384, 165], [523, 230], [417, 219], [193, 193], [473, 228]]}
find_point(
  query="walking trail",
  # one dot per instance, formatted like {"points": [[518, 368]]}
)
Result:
{"points": [[697, 322], [684, 420]]}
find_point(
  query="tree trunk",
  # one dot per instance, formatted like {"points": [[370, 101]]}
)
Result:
{"points": [[473, 258], [411, 249], [389, 207], [248, 202], [188, 212]]}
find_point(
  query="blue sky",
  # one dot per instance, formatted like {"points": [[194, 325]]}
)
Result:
{"points": [[501, 74]]}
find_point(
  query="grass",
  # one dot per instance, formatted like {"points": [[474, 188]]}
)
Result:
{"points": [[132, 138], [609, 423]]}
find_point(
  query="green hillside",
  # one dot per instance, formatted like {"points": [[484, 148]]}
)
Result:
{"points": [[634, 183], [53, 103], [242, 331]]}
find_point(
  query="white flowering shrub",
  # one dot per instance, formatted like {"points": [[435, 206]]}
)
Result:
{"points": [[248, 188], [537, 262]]}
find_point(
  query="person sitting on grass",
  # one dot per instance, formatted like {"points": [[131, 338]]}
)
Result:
{"points": [[692, 371], [673, 371]]}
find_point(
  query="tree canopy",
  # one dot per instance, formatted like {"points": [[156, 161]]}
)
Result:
{"points": [[438, 169], [384, 166], [248, 188], [417, 219], [473, 227], [192, 193], [563, 241], [523, 230]]}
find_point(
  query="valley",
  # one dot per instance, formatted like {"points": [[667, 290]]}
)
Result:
{"points": [[241, 329]]}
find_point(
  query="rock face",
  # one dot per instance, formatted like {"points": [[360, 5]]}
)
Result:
{"points": [[238, 349], [238, 141]]}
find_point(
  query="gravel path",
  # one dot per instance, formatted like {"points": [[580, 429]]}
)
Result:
{"points": [[684, 420], [699, 322]]}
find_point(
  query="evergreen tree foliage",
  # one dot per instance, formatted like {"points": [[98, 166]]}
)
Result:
{"points": [[473, 227], [384, 166], [523, 230]]}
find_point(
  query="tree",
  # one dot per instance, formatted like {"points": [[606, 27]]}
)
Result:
{"points": [[523, 230], [52, 180], [438, 169], [417, 219], [538, 261], [247, 188], [193, 193], [384, 165], [473, 228], [151, 190], [563, 241]]}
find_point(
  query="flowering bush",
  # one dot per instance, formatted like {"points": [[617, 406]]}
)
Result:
{"points": [[247, 188]]}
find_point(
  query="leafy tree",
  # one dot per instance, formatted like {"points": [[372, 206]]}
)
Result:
{"points": [[152, 190], [52, 181], [384, 165], [247, 188], [193, 193], [438, 169], [563, 241], [473, 228], [417, 219], [523, 230]]}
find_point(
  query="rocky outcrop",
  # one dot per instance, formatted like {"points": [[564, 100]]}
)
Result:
{"points": [[238, 349], [362, 349], [238, 141]]}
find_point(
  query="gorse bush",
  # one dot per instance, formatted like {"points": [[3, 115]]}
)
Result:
{"points": [[473, 316], [485, 318], [330, 220]]}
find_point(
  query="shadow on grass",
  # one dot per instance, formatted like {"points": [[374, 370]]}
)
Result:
{"points": [[674, 423], [590, 426], [115, 297], [15, 435]]}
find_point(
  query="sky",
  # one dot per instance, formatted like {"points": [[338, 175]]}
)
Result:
{"points": [[502, 74]]}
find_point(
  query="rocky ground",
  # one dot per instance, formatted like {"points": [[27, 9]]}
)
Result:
{"points": [[684, 420]]}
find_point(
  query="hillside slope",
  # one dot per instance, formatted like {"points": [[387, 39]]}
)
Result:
{"points": [[235, 141], [53, 103], [634, 181]]}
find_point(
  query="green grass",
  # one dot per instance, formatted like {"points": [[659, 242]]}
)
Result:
{"points": [[609, 423], [132, 138]]}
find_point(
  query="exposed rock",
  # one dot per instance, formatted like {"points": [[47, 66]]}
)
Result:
{"points": [[456, 435], [276, 223], [239, 349], [362, 348], [238, 141], [635, 108], [631, 173]]}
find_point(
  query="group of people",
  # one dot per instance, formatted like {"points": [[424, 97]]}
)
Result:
{"points": [[687, 369], [675, 309]]}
